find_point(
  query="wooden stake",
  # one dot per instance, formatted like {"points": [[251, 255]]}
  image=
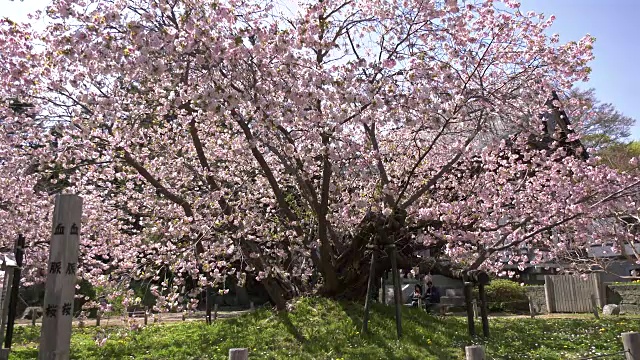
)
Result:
{"points": [[484, 313], [367, 300], [468, 287], [476, 313], [475, 352], [239, 354], [532, 309], [631, 344], [397, 291], [208, 305], [594, 307]]}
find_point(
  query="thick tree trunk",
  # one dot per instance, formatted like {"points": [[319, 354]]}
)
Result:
{"points": [[326, 266], [354, 273], [352, 266], [280, 290], [353, 269], [277, 293]]}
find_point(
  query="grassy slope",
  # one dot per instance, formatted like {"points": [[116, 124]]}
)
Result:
{"points": [[330, 331]]}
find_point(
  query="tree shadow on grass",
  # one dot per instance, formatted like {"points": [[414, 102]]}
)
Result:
{"points": [[441, 338], [293, 330], [355, 312]]}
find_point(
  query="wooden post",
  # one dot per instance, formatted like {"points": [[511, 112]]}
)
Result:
{"points": [[6, 292], [55, 338], [484, 314], [33, 317], [251, 306], [468, 288], [631, 344], [383, 291], [476, 313], [532, 309], [367, 300], [208, 305], [601, 289], [397, 290], [594, 307], [549, 295], [215, 313], [98, 316], [4, 354], [81, 319], [15, 288], [474, 352], [239, 354]]}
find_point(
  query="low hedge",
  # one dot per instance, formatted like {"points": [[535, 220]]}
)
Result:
{"points": [[505, 296]]}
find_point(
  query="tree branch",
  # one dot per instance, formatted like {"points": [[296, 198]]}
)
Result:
{"points": [[427, 187], [327, 257], [268, 173], [420, 159], [188, 211], [384, 178], [193, 131]]}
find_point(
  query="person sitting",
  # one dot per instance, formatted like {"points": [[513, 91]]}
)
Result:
{"points": [[431, 296], [414, 299]]}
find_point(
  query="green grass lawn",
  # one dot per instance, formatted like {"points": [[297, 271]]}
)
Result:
{"points": [[323, 329]]}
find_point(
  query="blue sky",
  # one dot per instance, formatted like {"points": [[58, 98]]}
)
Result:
{"points": [[614, 23]]}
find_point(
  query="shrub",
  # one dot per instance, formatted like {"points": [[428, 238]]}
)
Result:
{"points": [[506, 295]]}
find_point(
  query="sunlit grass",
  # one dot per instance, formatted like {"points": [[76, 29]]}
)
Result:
{"points": [[324, 329]]}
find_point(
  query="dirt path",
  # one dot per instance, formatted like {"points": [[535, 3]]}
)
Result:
{"points": [[159, 318], [199, 316]]}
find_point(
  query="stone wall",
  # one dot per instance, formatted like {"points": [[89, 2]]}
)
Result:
{"points": [[627, 296], [536, 294]]}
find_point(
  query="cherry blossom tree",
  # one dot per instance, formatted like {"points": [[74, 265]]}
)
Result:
{"points": [[232, 138]]}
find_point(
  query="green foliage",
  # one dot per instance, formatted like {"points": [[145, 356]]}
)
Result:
{"points": [[634, 282], [634, 147], [324, 329], [24, 335], [142, 291], [86, 292], [597, 139], [506, 295], [618, 155]]}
